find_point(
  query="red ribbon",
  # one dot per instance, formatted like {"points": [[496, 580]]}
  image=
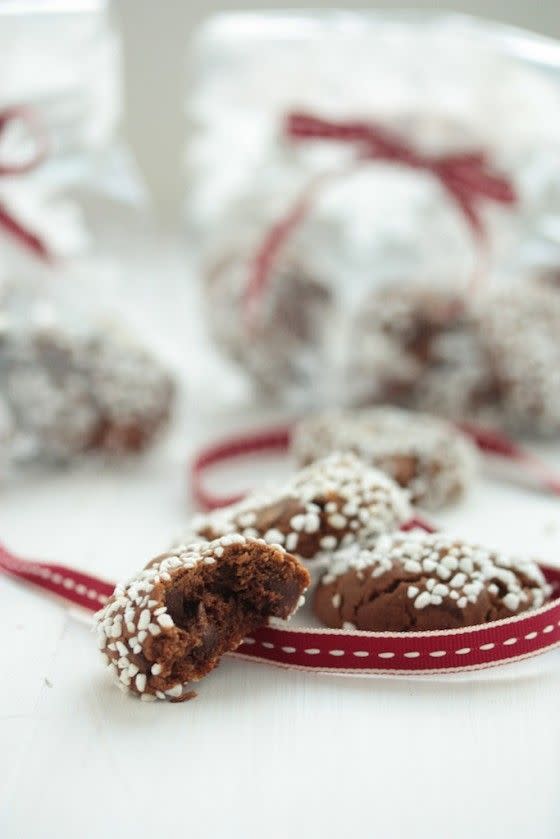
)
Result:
{"points": [[271, 439], [467, 178], [496, 444], [489, 442], [341, 651], [29, 240]]}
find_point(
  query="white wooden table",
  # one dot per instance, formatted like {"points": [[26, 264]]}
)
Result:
{"points": [[262, 752]]}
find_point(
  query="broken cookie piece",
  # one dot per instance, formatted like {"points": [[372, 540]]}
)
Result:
{"points": [[170, 624], [335, 502], [414, 582]]}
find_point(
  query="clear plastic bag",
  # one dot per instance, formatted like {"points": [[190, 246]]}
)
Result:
{"points": [[66, 178], [298, 233], [74, 378]]}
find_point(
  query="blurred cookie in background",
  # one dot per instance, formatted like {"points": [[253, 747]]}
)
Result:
{"points": [[425, 455]]}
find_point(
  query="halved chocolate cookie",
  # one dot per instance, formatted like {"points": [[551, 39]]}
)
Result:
{"points": [[171, 623]]}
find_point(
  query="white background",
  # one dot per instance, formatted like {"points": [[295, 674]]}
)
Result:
{"points": [[262, 752]]}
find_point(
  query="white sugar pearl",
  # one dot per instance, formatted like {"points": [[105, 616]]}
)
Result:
{"points": [[422, 600], [144, 619], [165, 621]]}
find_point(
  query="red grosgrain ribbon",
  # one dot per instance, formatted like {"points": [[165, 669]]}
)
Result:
{"points": [[496, 444], [489, 442], [29, 240], [402, 653], [342, 651], [275, 240], [467, 178], [270, 440], [73, 586]]}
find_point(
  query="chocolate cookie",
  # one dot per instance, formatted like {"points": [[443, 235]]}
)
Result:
{"points": [[336, 501], [285, 347], [171, 623], [419, 346], [422, 582], [493, 360], [425, 455], [520, 330], [64, 394]]}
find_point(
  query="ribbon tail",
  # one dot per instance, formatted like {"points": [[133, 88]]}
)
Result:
{"points": [[29, 240], [68, 584], [499, 445], [480, 182]]}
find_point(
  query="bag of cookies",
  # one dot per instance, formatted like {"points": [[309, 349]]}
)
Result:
{"points": [[75, 378], [360, 188], [74, 381]]}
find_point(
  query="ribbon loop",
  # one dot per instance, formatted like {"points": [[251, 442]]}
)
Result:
{"points": [[8, 222], [467, 178], [463, 175], [25, 116]]}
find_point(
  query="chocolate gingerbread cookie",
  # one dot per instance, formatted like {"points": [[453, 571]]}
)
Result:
{"points": [[419, 346], [423, 454], [493, 359], [171, 623], [64, 394], [424, 582], [520, 328], [283, 351], [334, 502]]}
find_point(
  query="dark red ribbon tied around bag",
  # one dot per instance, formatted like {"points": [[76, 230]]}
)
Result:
{"points": [[467, 178], [16, 229]]}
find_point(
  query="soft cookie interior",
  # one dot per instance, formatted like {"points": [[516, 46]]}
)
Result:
{"points": [[215, 606], [171, 623]]}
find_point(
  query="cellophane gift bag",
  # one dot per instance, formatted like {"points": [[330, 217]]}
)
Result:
{"points": [[374, 205], [78, 373], [69, 187]]}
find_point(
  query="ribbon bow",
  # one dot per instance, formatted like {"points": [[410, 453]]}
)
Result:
{"points": [[9, 223], [467, 178]]}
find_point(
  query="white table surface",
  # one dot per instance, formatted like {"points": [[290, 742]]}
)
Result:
{"points": [[262, 752]]}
